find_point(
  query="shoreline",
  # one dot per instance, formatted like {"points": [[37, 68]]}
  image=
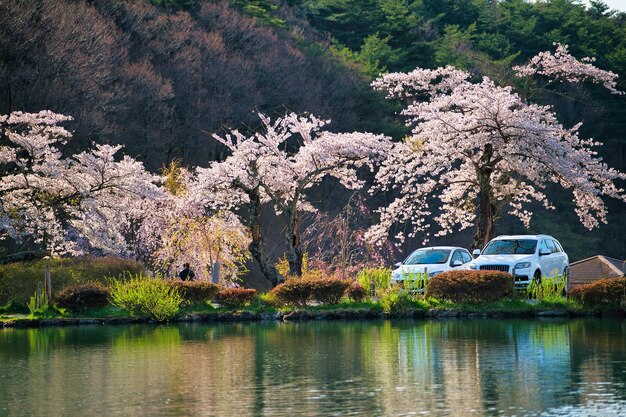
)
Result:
{"points": [[308, 315]]}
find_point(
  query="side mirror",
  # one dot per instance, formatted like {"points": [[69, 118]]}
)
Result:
{"points": [[457, 263], [398, 264], [543, 252], [476, 253]]}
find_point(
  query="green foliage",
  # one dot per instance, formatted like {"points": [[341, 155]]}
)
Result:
{"points": [[603, 292], [81, 297], [147, 297], [40, 307], [236, 297], [470, 286], [13, 307], [415, 282], [195, 292], [379, 276], [262, 10], [19, 280], [547, 289], [396, 301]]}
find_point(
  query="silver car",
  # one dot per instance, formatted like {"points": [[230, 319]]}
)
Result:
{"points": [[430, 260]]}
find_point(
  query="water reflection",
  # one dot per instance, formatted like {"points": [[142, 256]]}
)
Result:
{"points": [[451, 367]]}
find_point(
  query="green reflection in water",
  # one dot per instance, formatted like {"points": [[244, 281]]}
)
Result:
{"points": [[448, 367]]}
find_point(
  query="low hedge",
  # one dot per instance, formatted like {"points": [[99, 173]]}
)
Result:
{"points": [[235, 297], [608, 291], [294, 292], [196, 292], [298, 292], [81, 297], [328, 291], [18, 280], [356, 292], [470, 286]]}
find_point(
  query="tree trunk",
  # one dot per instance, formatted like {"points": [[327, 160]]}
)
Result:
{"points": [[257, 246], [295, 253], [486, 211]]}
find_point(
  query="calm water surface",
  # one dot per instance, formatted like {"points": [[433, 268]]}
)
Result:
{"points": [[424, 368]]}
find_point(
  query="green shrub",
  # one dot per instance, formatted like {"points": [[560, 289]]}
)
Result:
{"points": [[146, 297], [236, 297], [547, 289], [13, 307], [328, 291], [380, 276], [396, 301], [40, 307], [294, 292], [356, 292], [608, 291], [470, 286], [196, 292], [19, 280], [81, 297], [415, 281]]}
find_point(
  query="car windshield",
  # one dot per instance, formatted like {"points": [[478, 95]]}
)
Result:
{"points": [[511, 247], [428, 256]]}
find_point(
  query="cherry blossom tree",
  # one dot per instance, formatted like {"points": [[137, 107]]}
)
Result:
{"points": [[67, 205], [173, 229], [477, 149], [262, 169]]}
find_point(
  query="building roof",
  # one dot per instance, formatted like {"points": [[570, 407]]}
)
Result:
{"points": [[595, 267]]}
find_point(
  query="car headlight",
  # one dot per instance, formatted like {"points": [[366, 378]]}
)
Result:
{"points": [[396, 276], [473, 266], [522, 265]]}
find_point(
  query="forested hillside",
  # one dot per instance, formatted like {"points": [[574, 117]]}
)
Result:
{"points": [[158, 76], [161, 80]]}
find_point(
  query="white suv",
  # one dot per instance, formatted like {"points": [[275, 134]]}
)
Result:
{"points": [[526, 257]]}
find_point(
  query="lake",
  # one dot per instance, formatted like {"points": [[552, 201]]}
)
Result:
{"points": [[380, 368]]}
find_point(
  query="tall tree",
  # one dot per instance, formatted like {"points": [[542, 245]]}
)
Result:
{"points": [[65, 204], [263, 169], [479, 148]]}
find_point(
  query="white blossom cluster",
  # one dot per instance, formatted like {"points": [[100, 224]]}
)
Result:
{"points": [[68, 205], [288, 157], [562, 66], [470, 137]]}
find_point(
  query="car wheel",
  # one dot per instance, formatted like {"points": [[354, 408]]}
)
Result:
{"points": [[537, 277], [566, 278]]}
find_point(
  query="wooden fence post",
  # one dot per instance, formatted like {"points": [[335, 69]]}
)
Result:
{"points": [[48, 282]]}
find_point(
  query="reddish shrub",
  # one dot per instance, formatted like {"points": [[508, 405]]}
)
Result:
{"points": [[328, 291], [356, 292], [81, 297], [235, 297], [294, 292], [196, 292], [601, 292], [470, 286]]}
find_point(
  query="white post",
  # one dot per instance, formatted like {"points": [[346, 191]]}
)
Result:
{"points": [[215, 276]]}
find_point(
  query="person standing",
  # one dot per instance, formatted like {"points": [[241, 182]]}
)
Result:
{"points": [[186, 274]]}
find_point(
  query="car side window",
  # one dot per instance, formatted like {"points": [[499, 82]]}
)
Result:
{"points": [[551, 246], [456, 257], [543, 246], [466, 257], [557, 245]]}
